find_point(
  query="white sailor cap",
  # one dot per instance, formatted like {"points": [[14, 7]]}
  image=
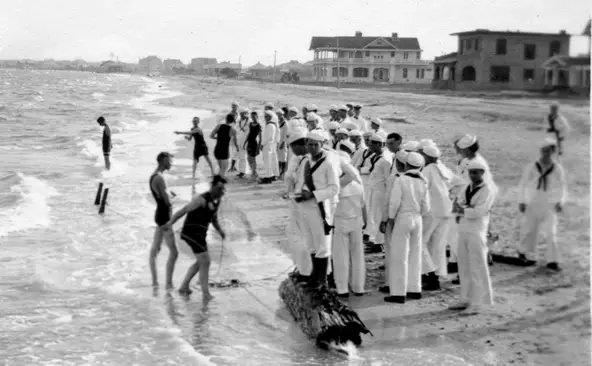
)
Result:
{"points": [[269, 105], [549, 141], [317, 135], [347, 145], [476, 164], [293, 109], [312, 107], [343, 108], [368, 133], [466, 141], [401, 156], [235, 103], [426, 142], [333, 125], [415, 159], [355, 132], [411, 146], [297, 134], [349, 125], [376, 121], [243, 110], [333, 107], [270, 113], [279, 111], [432, 151], [342, 131], [311, 117], [377, 138]]}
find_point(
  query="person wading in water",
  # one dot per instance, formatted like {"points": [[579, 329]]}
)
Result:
{"points": [[201, 211], [107, 145], [224, 133], [199, 148], [161, 217]]}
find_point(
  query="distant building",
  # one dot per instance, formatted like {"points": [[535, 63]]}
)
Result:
{"points": [[361, 59], [150, 64], [198, 64], [169, 65], [114, 67], [260, 71], [226, 69], [568, 72], [499, 60], [302, 71]]}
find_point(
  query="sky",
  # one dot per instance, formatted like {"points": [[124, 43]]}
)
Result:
{"points": [[251, 31]]}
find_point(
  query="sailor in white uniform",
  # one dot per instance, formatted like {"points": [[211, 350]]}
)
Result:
{"points": [[543, 192]]}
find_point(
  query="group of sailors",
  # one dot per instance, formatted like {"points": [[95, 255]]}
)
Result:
{"points": [[352, 185]]}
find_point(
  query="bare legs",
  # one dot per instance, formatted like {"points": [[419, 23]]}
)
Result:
{"points": [[253, 165], [210, 164], [107, 162], [201, 265], [223, 164], [169, 238]]}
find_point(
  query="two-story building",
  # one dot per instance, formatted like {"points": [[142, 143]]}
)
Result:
{"points": [[363, 59], [170, 64], [150, 65], [488, 59], [198, 64]]}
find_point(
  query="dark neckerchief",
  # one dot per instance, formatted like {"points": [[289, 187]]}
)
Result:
{"points": [[365, 156], [374, 160], [542, 181], [469, 193], [241, 126]]}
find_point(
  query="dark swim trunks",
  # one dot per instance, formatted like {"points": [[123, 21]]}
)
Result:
{"points": [[196, 242]]}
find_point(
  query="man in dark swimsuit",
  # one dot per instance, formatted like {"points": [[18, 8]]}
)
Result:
{"points": [[201, 211], [162, 217], [106, 141]]}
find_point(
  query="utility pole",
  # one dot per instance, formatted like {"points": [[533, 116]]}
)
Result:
{"points": [[338, 68], [274, 60]]}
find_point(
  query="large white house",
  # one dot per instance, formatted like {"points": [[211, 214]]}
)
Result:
{"points": [[360, 59]]}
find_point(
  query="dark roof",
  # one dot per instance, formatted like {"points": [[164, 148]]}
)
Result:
{"points": [[448, 57], [508, 33], [574, 61], [361, 42]]}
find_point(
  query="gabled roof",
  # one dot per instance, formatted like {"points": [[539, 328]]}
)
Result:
{"points": [[567, 61], [360, 42], [477, 32], [259, 66]]}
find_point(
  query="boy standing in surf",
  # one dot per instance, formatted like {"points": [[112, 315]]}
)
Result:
{"points": [[106, 141], [201, 211], [161, 217]]}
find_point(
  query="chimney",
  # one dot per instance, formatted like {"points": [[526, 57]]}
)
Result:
{"points": [[562, 32], [358, 34], [395, 36]]}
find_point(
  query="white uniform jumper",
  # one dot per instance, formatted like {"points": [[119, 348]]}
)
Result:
{"points": [[270, 158], [241, 137], [393, 175], [347, 240], [364, 164], [325, 177], [475, 283], [294, 230], [541, 191], [380, 169], [409, 201]]}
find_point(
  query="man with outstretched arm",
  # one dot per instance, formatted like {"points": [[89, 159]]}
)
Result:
{"points": [[201, 211], [162, 215]]}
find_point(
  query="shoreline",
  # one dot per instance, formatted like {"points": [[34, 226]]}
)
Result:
{"points": [[538, 317]]}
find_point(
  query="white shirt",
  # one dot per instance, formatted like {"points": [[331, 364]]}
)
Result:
{"points": [[380, 169], [270, 133], [350, 202], [326, 182], [530, 189], [361, 123], [357, 155], [393, 174], [242, 130], [476, 216], [294, 171], [409, 196], [364, 162], [561, 125], [438, 188]]}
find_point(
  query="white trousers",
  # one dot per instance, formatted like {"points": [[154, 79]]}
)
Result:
{"points": [[452, 241], [369, 219], [283, 154], [294, 233], [270, 161], [540, 218], [313, 229], [241, 157], [375, 211], [348, 249], [435, 233], [405, 255], [473, 270]]}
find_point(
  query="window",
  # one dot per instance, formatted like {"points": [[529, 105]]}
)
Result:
{"points": [[469, 44], [500, 74], [405, 73], [500, 47], [405, 55], [367, 53], [528, 74], [360, 72], [477, 44], [417, 73], [418, 55], [529, 51], [468, 73], [461, 46], [358, 54], [554, 48], [423, 73], [392, 54]]}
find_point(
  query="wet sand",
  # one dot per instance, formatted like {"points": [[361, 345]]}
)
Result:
{"points": [[539, 317]]}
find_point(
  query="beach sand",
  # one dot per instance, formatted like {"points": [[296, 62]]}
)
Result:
{"points": [[539, 317]]}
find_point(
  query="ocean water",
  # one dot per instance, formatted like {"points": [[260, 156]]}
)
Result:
{"points": [[75, 286]]}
